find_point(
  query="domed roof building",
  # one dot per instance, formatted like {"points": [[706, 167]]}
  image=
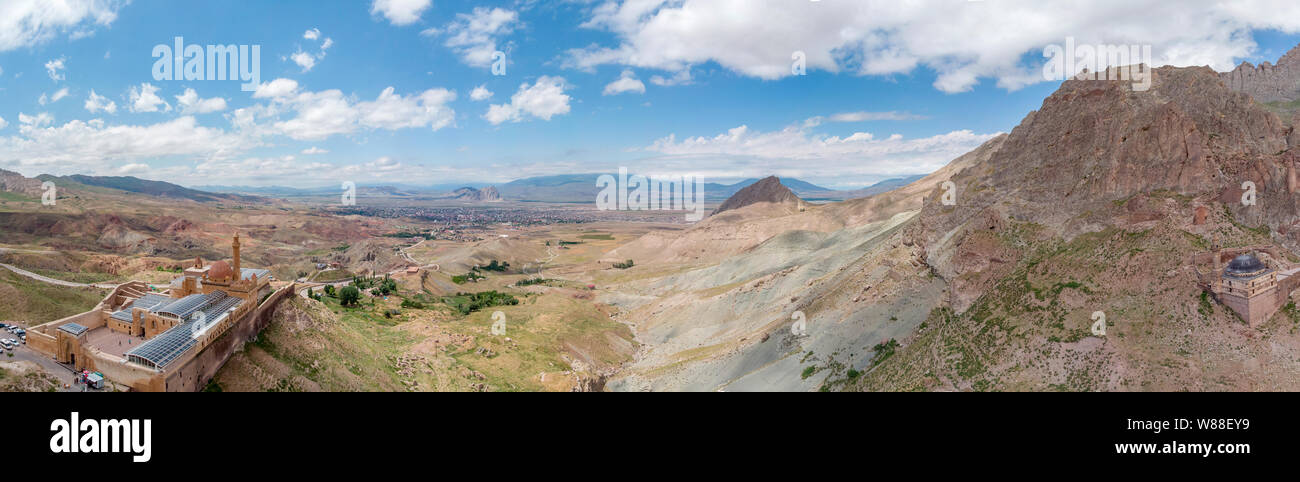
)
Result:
{"points": [[1245, 266], [1250, 288], [220, 271]]}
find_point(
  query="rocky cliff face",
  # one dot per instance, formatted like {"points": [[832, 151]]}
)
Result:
{"points": [[768, 189], [487, 194], [1268, 82], [17, 183]]}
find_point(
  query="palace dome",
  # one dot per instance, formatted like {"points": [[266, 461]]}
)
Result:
{"points": [[1244, 265], [221, 271]]}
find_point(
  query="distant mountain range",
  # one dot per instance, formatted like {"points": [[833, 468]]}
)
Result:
{"points": [[151, 188], [574, 188], [563, 188]]}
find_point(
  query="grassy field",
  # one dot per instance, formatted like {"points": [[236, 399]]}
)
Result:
{"points": [[381, 346], [34, 302]]}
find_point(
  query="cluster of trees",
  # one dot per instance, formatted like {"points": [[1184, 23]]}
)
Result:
{"points": [[624, 265], [531, 281], [467, 303], [493, 266], [471, 276]]}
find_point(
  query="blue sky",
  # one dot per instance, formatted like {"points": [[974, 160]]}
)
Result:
{"points": [[684, 86]]}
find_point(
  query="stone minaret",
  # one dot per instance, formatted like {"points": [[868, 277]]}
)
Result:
{"points": [[235, 247]]}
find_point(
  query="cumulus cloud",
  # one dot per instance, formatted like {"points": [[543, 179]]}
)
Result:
{"points": [[145, 99], [543, 100], [190, 103], [89, 146], [39, 120], [313, 150], [480, 93], [25, 23], [96, 103], [55, 69], [961, 42], [627, 82], [474, 36], [319, 115], [3, 123], [275, 89], [400, 12], [312, 34], [742, 151]]}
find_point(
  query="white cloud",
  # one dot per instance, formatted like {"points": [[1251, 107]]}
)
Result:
{"points": [[190, 103], [627, 82], [307, 60], [89, 146], [400, 12], [864, 116], [544, 99], [323, 114], [319, 115], [132, 168], [276, 89], [55, 69], [58, 95], [3, 123], [391, 111], [304, 60], [24, 23], [313, 150], [474, 36], [96, 103], [682, 77], [146, 99], [480, 93], [38, 120], [744, 152], [961, 42]]}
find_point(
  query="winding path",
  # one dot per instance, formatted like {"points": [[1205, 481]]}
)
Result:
{"points": [[58, 282]]}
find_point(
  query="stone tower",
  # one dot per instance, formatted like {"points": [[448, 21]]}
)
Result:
{"points": [[235, 248]]}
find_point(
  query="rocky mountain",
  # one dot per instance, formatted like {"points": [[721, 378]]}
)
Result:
{"points": [[487, 194], [1088, 211], [766, 190], [18, 184], [1268, 82], [151, 188], [1104, 203], [582, 188]]}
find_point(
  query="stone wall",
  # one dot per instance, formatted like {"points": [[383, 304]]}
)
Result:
{"points": [[194, 374]]}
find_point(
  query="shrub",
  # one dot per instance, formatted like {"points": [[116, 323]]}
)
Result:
{"points": [[624, 265]]}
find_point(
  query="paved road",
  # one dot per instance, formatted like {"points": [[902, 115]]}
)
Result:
{"points": [[53, 281]]}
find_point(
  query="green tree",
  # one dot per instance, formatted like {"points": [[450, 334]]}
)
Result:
{"points": [[349, 295]]}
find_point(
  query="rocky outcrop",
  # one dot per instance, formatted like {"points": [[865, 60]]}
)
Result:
{"points": [[16, 183], [487, 194], [766, 190], [1268, 82], [1095, 143]]}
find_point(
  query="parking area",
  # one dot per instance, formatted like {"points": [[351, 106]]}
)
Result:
{"points": [[58, 370]]}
